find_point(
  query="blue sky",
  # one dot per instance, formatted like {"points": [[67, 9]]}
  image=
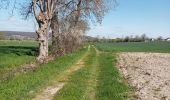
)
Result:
{"points": [[131, 17]]}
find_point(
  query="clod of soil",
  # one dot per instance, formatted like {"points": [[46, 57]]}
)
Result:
{"points": [[148, 73]]}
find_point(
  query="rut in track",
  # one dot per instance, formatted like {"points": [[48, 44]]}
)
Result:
{"points": [[92, 82], [83, 83]]}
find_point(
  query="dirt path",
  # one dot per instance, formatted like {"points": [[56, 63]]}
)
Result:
{"points": [[148, 73], [92, 83], [49, 92]]}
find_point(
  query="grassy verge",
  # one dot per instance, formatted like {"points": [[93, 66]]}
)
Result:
{"points": [[14, 54], [10, 61], [78, 83], [110, 84], [162, 47], [25, 86]]}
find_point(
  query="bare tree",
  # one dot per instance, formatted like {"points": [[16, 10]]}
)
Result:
{"points": [[68, 37], [67, 20], [43, 11], [159, 38]]}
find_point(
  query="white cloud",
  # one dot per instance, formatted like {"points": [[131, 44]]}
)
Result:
{"points": [[15, 24]]}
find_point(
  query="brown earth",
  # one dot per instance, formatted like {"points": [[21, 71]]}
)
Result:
{"points": [[148, 73]]}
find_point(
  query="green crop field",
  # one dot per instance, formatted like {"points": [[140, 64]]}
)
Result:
{"points": [[13, 54], [163, 47]]}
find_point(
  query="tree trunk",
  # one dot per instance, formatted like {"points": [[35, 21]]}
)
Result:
{"points": [[43, 42], [57, 45], [57, 38]]}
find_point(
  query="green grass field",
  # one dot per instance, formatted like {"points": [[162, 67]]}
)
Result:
{"points": [[97, 79], [110, 85], [14, 54], [163, 47]]}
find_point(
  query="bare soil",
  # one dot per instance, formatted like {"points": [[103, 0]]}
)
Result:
{"points": [[148, 73]]}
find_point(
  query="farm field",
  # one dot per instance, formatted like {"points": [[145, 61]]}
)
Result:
{"points": [[13, 54], [148, 73], [84, 50], [162, 47], [145, 66], [94, 72]]}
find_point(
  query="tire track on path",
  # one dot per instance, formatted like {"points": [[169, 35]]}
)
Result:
{"points": [[92, 83]]}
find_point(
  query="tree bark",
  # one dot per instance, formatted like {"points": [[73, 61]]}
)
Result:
{"points": [[43, 42], [57, 45]]}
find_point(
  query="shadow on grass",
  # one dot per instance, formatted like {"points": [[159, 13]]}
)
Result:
{"points": [[19, 50]]}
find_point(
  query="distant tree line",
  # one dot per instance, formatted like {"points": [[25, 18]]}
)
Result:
{"points": [[2, 36], [141, 38]]}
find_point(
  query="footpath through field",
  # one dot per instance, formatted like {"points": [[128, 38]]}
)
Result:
{"points": [[82, 84], [99, 79], [48, 92]]}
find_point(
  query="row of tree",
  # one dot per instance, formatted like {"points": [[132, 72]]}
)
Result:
{"points": [[66, 19], [142, 38]]}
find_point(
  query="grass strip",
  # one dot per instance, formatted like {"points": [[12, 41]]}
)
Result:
{"points": [[25, 86], [10, 62], [76, 87], [110, 85]]}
